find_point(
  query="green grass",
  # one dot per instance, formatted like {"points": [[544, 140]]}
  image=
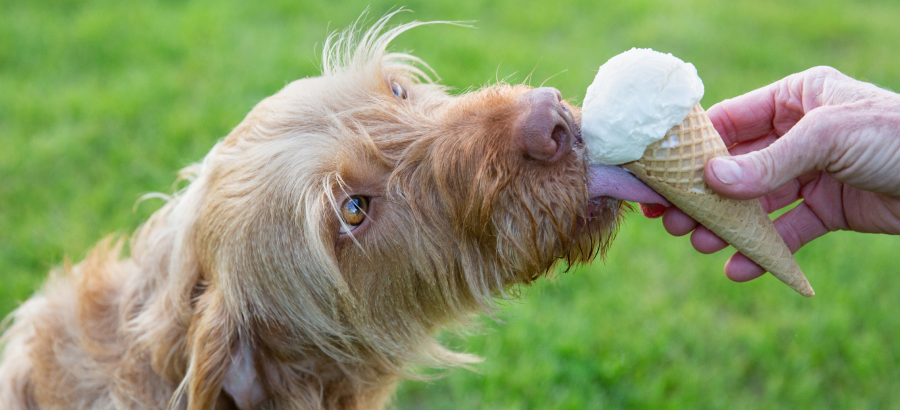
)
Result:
{"points": [[102, 101]]}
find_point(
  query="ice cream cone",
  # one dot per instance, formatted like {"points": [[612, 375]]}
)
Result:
{"points": [[673, 166]]}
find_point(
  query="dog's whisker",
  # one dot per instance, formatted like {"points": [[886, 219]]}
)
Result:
{"points": [[527, 80], [554, 75]]}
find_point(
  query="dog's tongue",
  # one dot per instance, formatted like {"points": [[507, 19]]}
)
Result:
{"points": [[614, 181]]}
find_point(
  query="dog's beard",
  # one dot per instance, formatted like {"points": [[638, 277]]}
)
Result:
{"points": [[542, 217], [510, 222]]}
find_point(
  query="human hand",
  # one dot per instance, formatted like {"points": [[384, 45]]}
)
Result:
{"points": [[819, 136]]}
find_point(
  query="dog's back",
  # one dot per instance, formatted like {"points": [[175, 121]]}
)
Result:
{"points": [[66, 347], [16, 386]]}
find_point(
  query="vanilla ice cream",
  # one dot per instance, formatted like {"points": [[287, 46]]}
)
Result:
{"points": [[636, 97]]}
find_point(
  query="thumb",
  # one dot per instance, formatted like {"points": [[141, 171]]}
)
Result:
{"points": [[759, 173]]}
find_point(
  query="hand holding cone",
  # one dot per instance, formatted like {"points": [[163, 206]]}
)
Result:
{"points": [[673, 167]]}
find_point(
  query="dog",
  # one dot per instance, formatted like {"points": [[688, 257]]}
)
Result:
{"points": [[321, 245]]}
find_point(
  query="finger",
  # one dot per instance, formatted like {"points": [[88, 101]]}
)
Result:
{"points": [[678, 223], [797, 227], [785, 195], [775, 107], [808, 177], [747, 147], [740, 268], [746, 117], [782, 197], [806, 147], [704, 241]]}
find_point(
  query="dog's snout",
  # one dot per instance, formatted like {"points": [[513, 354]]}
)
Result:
{"points": [[545, 129]]}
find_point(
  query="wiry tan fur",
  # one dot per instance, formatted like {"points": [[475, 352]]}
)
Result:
{"points": [[240, 292]]}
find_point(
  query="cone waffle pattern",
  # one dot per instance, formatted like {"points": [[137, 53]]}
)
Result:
{"points": [[673, 166]]}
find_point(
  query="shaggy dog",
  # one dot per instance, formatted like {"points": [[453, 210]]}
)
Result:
{"points": [[320, 247]]}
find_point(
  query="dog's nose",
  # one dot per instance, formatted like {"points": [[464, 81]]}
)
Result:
{"points": [[546, 126]]}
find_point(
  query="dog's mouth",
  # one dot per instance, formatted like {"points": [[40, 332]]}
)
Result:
{"points": [[607, 182], [610, 181]]}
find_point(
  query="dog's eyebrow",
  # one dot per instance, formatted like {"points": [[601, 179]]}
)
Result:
{"points": [[407, 66]]}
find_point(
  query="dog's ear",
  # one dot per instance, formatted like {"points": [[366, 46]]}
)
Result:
{"points": [[209, 343], [241, 381]]}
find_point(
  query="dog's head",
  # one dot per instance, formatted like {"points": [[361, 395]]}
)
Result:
{"points": [[358, 212]]}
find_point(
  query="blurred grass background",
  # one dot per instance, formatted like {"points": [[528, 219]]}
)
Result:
{"points": [[102, 101]]}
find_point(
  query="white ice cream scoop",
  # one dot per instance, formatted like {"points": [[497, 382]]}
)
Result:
{"points": [[635, 98]]}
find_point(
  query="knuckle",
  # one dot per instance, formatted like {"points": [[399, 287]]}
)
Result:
{"points": [[822, 126], [817, 119], [824, 71]]}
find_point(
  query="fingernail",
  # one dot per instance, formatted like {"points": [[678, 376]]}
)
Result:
{"points": [[728, 171]]}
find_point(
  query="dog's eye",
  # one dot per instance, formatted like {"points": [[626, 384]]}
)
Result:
{"points": [[398, 90], [353, 211]]}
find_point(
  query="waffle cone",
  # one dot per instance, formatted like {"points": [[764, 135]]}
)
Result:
{"points": [[673, 167]]}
